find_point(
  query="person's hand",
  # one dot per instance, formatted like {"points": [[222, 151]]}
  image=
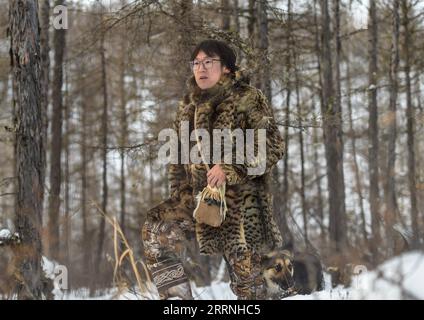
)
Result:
{"points": [[216, 177]]}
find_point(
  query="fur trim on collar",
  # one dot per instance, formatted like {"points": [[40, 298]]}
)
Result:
{"points": [[221, 89]]}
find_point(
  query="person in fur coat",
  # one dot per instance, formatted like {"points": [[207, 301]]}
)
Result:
{"points": [[218, 96]]}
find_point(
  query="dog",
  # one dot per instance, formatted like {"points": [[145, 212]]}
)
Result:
{"points": [[341, 276], [288, 274]]}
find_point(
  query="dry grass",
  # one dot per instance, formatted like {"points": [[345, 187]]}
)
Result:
{"points": [[120, 254]]}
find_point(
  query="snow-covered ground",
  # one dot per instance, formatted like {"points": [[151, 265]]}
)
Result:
{"points": [[399, 278]]}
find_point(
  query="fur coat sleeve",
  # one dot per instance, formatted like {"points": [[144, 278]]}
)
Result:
{"points": [[266, 150]]}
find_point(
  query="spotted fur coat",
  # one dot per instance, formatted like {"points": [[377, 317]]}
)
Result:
{"points": [[249, 225]]}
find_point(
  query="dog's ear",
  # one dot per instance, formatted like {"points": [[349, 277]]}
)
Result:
{"points": [[288, 254], [289, 266]]}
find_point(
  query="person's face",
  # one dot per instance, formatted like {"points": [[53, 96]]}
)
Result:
{"points": [[207, 70]]}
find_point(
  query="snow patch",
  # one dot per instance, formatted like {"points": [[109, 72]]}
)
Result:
{"points": [[5, 233], [398, 278]]}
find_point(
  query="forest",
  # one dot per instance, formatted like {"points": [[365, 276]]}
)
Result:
{"points": [[86, 87]]}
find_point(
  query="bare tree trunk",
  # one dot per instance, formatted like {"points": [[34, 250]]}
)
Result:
{"points": [[86, 243], [373, 152], [226, 15], [354, 154], [251, 21], [333, 139], [185, 30], [410, 116], [390, 191], [419, 159], [102, 226], [252, 61], [186, 13], [282, 206], [337, 52], [124, 138], [264, 79], [25, 61], [237, 27], [302, 157], [67, 227], [15, 109], [56, 149], [320, 205], [315, 133], [45, 67], [123, 191]]}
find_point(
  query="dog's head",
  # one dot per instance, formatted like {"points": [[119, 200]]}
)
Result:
{"points": [[278, 270], [341, 275]]}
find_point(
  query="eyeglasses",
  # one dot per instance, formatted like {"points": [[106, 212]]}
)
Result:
{"points": [[207, 63]]}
